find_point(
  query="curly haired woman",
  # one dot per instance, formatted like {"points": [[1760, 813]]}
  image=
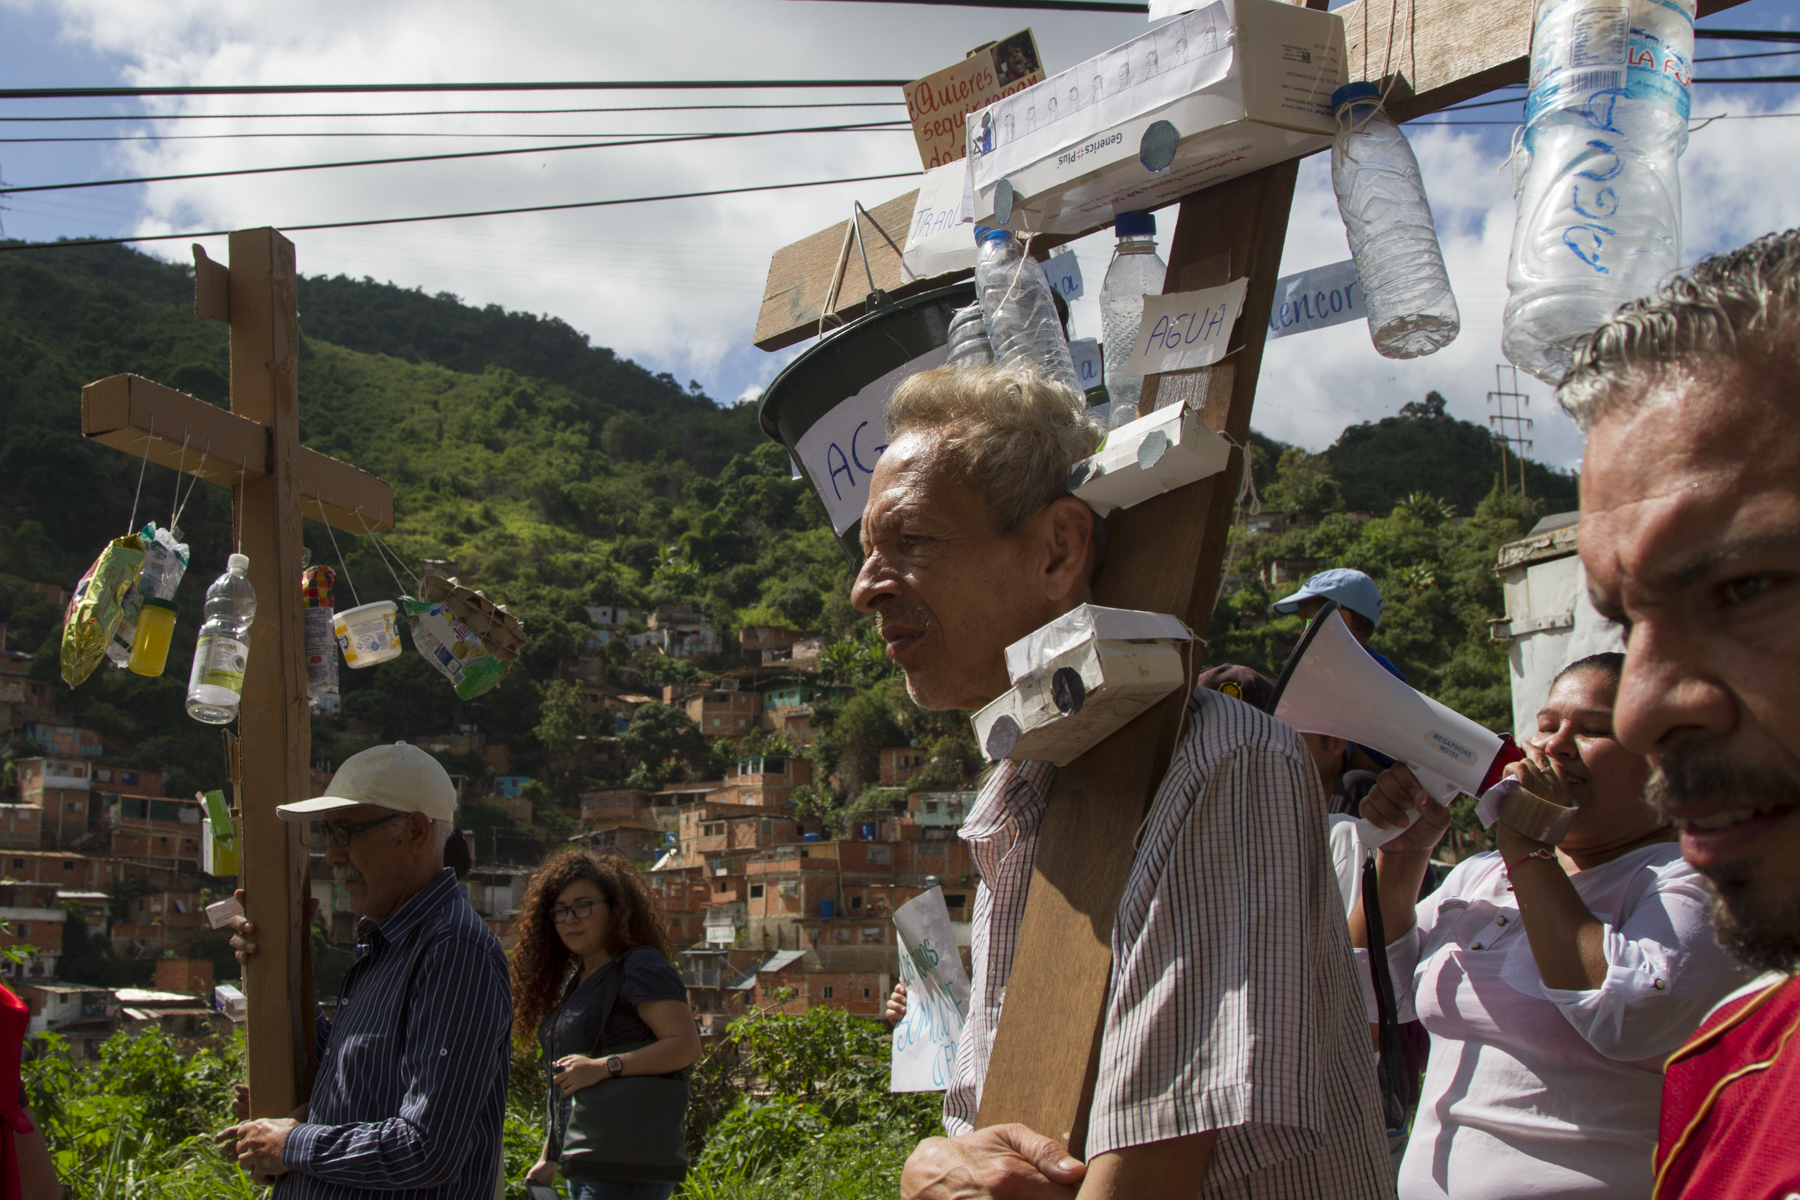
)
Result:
{"points": [[588, 930]]}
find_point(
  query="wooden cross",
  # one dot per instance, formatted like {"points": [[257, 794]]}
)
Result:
{"points": [[255, 450], [1164, 555]]}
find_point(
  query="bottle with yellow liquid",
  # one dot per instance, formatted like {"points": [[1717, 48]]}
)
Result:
{"points": [[150, 644]]}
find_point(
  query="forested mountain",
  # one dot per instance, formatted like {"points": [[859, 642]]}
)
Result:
{"points": [[564, 476]]}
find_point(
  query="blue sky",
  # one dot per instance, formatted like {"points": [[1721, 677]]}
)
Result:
{"points": [[676, 285]]}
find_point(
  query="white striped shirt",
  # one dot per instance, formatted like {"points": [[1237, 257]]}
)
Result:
{"points": [[411, 1089], [1233, 1004]]}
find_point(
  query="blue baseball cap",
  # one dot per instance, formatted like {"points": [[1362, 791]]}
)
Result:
{"points": [[1352, 589]]}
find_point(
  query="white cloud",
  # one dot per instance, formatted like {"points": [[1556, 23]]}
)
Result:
{"points": [[677, 285]]}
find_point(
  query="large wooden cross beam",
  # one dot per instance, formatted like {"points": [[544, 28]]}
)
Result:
{"points": [[1164, 555], [255, 450]]}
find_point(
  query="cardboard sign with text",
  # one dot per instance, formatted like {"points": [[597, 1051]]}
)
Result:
{"points": [[1186, 329], [938, 103], [937, 996]]}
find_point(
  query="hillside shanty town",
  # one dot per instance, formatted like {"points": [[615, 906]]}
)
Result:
{"points": [[899, 600]]}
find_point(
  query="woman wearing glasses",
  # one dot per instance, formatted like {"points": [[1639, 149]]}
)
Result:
{"points": [[593, 983]]}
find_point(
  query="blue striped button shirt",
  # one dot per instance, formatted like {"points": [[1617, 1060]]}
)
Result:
{"points": [[411, 1089]]}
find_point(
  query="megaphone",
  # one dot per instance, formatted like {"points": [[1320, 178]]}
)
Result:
{"points": [[1330, 685]]}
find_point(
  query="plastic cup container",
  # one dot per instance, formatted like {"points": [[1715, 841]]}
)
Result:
{"points": [[150, 645], [368, 634]]}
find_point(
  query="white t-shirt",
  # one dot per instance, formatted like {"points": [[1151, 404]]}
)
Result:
{"points": [[1348, 854], [1534, 1091]]}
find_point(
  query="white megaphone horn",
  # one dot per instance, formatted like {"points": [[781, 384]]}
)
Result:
{"points": [[1332, 686]]}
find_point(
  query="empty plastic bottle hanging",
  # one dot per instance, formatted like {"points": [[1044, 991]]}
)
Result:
{"points": [[969, 346], [1596, 177], [216, 682], [1393, 239], [1020, 308], [1136, 271]]}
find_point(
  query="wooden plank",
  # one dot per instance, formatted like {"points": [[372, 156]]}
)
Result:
{"points": [[212, 287], [183, 433], [273, 720], [188, 434], [1443, 52], [1164, 555], [343, 496], [806, 277]]}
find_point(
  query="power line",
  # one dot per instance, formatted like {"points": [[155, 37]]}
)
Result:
{"points": [[1738, 57], [457, 216], [465, 112], [1118, 6], [867, 127], [1747, 35], [403, 133], [310, 89]]}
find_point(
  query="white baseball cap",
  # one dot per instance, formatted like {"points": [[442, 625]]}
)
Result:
{"points": [[400, 777]]}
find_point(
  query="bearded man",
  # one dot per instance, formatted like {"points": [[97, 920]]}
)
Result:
{"points": [[1235, 1055], [1690, 533]]}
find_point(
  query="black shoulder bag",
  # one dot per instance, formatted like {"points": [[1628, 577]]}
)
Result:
{"points": [[626, 1130]]}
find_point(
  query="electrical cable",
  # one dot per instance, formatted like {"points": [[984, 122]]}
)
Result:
{"points": [[395, 133], [1110, 6], [1747, 35], [340, 89], [457, 216], [467, 112], [660, 140], [1737, 57]]}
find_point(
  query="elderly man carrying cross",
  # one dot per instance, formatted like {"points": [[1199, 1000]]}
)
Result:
{"points": [[411, 1086], [1236, 1056]]}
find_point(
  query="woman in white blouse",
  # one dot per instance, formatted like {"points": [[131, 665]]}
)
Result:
{"points": [[1553, 980]]}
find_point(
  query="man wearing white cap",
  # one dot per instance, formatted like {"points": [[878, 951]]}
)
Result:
{"points": [[411, 1087]]}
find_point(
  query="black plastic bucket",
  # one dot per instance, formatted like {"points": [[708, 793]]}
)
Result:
{"points": [[827, 406]]}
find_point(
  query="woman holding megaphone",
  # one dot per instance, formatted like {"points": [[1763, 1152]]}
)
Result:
{"points": [[1553, 979]]}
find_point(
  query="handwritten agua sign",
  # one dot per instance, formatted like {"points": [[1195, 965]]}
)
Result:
{"points": [[1184, 330]]}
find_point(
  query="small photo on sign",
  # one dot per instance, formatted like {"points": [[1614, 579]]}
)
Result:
{"points": [[1016, 58]]}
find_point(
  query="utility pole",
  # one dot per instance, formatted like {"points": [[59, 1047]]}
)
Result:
{"points": [[1510, 427]]}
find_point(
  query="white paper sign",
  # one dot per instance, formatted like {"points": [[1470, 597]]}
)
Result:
{"points": [[1063, 270], [1169, 8], [1316, 299], [839, 452], [937, 996], [1061, 113], [1088, 363], [1187, 329], [941, 237]]}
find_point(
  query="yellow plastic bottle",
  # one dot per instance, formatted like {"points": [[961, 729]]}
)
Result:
{"points": [[155, 628]]}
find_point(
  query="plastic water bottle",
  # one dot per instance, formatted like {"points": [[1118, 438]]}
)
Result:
{"points": [[1136, 271], [1021, 310], [969, 345], [1596, 178], [216, 682], [1387, 218]]}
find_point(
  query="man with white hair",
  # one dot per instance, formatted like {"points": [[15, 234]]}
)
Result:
{"points": [[1690, 534], [1235, 1057], [411, 1087]]}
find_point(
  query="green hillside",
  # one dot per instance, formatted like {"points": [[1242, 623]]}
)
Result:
{"points": [[564, 476]]}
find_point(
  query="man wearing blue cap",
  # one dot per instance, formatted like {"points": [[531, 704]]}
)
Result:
{"points": [[1361, 607], [1361, 601]]}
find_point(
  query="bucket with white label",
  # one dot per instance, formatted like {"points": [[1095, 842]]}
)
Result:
{"points": [[368, 634], [828, 405]]}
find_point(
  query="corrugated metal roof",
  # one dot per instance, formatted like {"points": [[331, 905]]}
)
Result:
{"points": [[782, 959]]}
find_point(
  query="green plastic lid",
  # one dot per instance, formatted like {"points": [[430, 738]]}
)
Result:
{"points": [[153, 602]]}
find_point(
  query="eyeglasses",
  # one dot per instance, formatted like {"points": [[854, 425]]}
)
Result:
{"points": [[342, 835], [581, 910]]}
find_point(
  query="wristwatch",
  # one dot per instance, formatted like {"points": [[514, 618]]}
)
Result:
{"points": [[615, 1066]]}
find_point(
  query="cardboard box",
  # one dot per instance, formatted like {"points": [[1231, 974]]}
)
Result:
{"points": [[1078, 679], [1234, 87], [1158, 453]]}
